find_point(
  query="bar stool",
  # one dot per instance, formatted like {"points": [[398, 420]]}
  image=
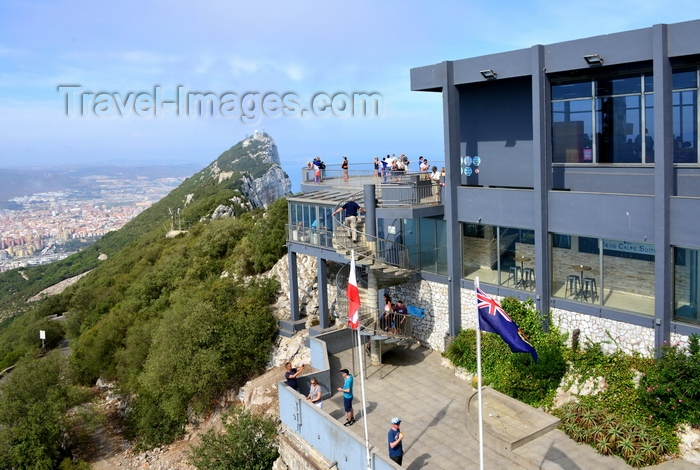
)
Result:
{"points": [[514, 273], [529, 277], [571, 285], [590, 288]]}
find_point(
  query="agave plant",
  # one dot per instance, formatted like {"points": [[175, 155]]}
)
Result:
{"points": [[614, 434], [588, 418], [648, 451], [597, 433], [626, 446], [568, 415], [634, 425], [662, 445], [580, 434], [636, 460], [604, 447], [569, 428], [608, 420]]}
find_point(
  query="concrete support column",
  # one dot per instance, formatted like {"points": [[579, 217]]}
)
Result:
{"points": [[663, 185], [321, 270], [452, 138], [370, 205], [372, 302], [541, 153], [293, 286]]}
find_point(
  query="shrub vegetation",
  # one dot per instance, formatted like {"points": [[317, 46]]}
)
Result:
{"points": [[247, 442], [635, 414], [171, 319]]}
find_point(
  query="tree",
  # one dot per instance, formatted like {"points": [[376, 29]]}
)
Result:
{"points": [[247, 442]]}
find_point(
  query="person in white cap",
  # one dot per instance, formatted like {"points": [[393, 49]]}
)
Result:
{"points": [[395, 441]]}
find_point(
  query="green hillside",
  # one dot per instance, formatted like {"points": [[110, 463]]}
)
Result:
{"points": [[206, 193], [173, 320]]}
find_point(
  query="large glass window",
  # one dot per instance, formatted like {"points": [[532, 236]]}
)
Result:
{"points": [[615, 273], [686, 285], [311, 223], [685, 117], [499, 255], [426, 240], [611, 120]]}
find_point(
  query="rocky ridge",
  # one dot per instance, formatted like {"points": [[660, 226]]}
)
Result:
{"points": [[257, 160]]}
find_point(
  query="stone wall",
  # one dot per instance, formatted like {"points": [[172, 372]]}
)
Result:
{"points": [[432, 298], [431, 330]]}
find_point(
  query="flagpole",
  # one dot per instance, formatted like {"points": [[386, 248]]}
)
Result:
{"points": [[364, 401], [478, 376], [354, 321]]}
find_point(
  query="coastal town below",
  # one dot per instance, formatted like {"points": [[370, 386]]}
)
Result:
{"points": [[44, 227]]}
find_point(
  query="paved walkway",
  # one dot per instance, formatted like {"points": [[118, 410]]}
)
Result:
{"points": [[432, 404]]}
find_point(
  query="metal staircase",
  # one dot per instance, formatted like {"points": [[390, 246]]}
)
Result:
{"points": [[372, 324], [388, 260]]}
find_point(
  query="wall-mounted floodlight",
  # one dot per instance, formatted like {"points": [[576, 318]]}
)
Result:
{"points": [[488, 74], [593, 59]]}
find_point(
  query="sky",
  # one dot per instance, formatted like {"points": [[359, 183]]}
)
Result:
{"points": [[261, 64]]}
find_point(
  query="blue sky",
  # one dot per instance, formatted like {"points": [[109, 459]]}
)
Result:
{"points": [[280, 47]]}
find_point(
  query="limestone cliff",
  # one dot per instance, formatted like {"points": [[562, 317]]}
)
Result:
{"points": [[256, 161]]}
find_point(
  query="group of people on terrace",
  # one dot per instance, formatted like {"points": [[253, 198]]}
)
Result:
{"points": [[394, 437], [319, 168], [388, 167]]}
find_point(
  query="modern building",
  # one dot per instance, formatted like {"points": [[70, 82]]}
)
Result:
{"points": [[572, 178]]}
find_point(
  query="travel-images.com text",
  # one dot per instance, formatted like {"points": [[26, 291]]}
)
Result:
{"points": [[249, 107]]}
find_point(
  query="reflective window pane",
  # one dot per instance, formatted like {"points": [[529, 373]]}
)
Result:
{"points": [[685, 79], [618, 86], [499, 255], [572, 128], [628, 276], [479, 253], [618, 120], [572, 90], [685, 126], [686, 285]]}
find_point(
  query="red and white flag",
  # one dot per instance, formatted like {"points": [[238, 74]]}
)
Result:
{"points": [[353, 296]]}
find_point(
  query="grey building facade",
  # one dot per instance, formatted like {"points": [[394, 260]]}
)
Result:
{"points": [[571, 178], [578, 162]]}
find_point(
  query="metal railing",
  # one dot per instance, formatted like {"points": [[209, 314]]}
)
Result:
{"points": [[310, 235], [379, 250], [409, 192]]}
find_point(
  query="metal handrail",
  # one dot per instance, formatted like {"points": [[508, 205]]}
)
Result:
{"points": [[385, 251]]}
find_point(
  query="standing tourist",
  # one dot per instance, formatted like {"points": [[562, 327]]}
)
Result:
{"points": [[315, 395], [347, 397], [344, 166], [396, 441]]}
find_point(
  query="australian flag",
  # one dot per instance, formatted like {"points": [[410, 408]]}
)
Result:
{"points": [[494, 319]]}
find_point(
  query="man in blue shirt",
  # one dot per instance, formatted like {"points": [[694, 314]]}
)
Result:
{"points": [[347, 396], [396, 441], [351, 209]]}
